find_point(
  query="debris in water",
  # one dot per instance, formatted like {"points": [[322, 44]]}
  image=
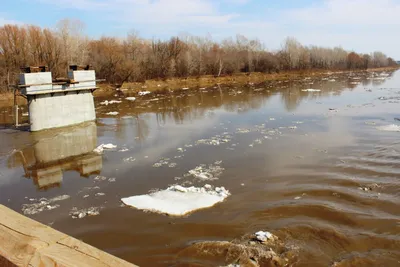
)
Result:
{"points": [[112, 180], [102, 147], [131, 98], [178, 200], [99, 194], [232, 254], [123, 150], [112, 113], [42, 205]]}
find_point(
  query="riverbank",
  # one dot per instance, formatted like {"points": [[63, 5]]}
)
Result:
{"points": [[158, 85]]}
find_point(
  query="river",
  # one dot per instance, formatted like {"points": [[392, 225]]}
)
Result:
{"points": [[320, 169]]}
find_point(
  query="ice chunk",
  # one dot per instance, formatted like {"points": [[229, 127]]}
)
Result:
{"points": [[106, 102], [79, 214], [101, 148], [131, 98], [213, 172], [311, 90], [264, 236], [389, 128], [112, 113], [178, 200], [43, 204], [142, 93]]}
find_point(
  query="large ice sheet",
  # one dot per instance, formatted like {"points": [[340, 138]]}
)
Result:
{"points": [[178, 200]]}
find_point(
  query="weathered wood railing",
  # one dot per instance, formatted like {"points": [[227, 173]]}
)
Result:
{"points": [[25, 242]]}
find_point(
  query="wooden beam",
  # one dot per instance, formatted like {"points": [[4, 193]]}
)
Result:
{"points": [[25, 242]]}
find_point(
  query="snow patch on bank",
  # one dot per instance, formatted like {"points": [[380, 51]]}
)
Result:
{"points": [[178, 200], [389, 128]]}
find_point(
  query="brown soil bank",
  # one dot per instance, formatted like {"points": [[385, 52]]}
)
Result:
{"points": [[6, 98]]}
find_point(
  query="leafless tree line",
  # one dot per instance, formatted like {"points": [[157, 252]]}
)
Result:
{"points": [[135, 59]]}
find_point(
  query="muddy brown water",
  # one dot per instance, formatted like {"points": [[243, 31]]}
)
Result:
{"points": [[313, 168]]}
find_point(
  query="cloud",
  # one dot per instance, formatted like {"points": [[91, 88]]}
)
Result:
{"points": [[362, 25], [349, 12]]}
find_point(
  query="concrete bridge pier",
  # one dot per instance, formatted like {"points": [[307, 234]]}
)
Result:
{"points": [[60, 102]]}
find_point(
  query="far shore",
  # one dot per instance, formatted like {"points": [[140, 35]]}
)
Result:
{"points": [[173, 84]]}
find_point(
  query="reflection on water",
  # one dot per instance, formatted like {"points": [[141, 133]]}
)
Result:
{"points": [[58, 151], [311, 167]]}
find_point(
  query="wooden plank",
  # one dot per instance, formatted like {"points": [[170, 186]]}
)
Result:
{"points": [[25, 242]]}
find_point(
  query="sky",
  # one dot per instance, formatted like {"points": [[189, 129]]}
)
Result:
{"points": [[360, 25]]}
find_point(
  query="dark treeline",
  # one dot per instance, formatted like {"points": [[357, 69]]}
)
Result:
{"points": [[134, 59]]}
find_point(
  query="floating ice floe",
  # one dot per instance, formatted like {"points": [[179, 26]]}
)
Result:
{"points": [[131, 98], [178, 200], [79, 214], [112, 113], [106, 102], [123, 150], [242, 130], [161, 162], [102, 147], [100, 178], [215, 140], [389, 128], [129, 159], [42, 205], [311, 90], [142, 93], [213, 172]]}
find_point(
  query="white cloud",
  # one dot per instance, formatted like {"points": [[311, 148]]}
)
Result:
{"points": [[362, 25], [349, 12]]}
